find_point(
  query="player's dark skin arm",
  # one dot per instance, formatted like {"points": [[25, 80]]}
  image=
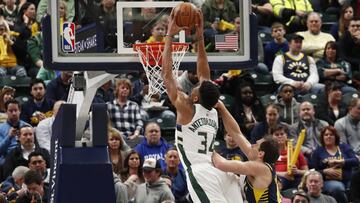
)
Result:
{"points": [[203, 69], [179, 99]]}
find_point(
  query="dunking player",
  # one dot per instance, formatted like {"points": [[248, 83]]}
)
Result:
{"points": [[260, 182], [197, 125]]}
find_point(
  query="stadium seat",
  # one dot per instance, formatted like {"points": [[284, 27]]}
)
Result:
{"points": [[346, 99], [22, 99], [264, 84], [14, 81], [228, 100], [268, 99], [265, 37], [328, 21], [312, 98]]}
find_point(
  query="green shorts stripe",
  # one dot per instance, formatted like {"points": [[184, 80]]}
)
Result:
{"points": [[198, 189]]}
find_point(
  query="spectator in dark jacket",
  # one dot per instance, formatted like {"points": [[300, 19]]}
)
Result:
{"points": [[38, 108], [247, 108], [332, 108], [58, 89], [19, 155], [350, 44]]}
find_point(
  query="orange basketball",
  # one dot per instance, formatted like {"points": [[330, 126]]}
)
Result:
{"points": [[186, 13]]}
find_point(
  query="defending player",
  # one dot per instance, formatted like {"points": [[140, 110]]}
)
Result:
{"points": [[197, 125], [260, 181]]}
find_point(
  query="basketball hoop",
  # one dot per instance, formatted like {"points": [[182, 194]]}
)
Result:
{"points": [[150, 55]]}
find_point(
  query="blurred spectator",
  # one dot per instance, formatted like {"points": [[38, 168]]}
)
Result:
{"points": [[333, 68], [158, 32], [300, 197], [356, 5], [335, 161], [19, 155], [8, 61], [264, 128], [313, 127], [264, 12], [231, 150], [120, 190], [7, 93], [154, 189], [47, 75], [36, 190], [276, 47], [247, 109], [355, 187], [35, 50], [187, 81], [37, 161], [348, 127], [338, 29], [329, 7], [125, 114], [350, 44], [314, 185], [288, 181], [332, 107], [105, 14], [105, 93], [314, 40], [288, 106], [38, 107], [69, 9], [132, 175], [153, 145], [176, 175], [3, 199], [355, 81], [292, 14], [12, 186], [44, 128], [10, 129], [214, 11], [10, 11], [297, 69], [26, 26], [117, 150], [140, 88], [58, 88]]}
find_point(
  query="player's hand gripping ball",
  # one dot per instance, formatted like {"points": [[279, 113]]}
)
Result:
{"points": [[185, 14]]}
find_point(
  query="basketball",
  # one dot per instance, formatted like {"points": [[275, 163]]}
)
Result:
{"points": [[186, 13]]}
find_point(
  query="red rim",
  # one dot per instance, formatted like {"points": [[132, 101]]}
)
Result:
{"points": [[155, 47]]}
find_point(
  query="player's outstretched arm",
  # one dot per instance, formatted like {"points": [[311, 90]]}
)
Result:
{"points": [[233, 129], [245, 168], [202, 66], [169, 81]]}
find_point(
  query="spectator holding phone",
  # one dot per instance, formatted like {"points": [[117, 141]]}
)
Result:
{"points": [[9, 130]]}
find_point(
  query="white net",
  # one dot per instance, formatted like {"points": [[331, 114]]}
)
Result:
{"points": [[150, 56]]}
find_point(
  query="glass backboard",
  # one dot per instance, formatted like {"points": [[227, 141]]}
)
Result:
{"points": [[101, 36]]}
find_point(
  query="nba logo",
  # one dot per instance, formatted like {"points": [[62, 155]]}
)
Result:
{"points": [[68, 37]]}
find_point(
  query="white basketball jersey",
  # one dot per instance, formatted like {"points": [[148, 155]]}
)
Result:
{"points": [[195, 140]]}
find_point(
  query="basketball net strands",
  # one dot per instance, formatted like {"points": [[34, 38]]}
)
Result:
{"points": [[150, 56]]}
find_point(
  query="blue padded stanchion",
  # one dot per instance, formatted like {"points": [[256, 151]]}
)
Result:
{"points": [[80, 174]]}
